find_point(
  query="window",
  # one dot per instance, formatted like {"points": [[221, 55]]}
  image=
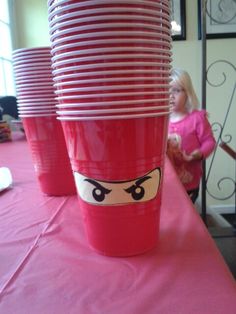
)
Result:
{"points": [[7, 86]]}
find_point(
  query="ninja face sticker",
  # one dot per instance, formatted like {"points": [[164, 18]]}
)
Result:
{"points": [[99, 192]]}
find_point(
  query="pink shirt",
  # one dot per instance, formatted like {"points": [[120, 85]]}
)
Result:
{"points": [[193, 132]]}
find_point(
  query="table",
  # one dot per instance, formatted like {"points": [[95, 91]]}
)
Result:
{"points": [[46, 265]]}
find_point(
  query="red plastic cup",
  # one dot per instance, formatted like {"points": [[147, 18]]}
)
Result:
{"points": [[118, 168], [108, 18], [49, 154], [57, 10]]}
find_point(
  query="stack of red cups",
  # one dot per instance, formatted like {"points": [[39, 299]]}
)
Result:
{"points": [[111, 64], [37, 110]]}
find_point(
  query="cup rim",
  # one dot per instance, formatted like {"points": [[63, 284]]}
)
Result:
{"points": [[31, 50], [95, 27], [85, 36], [118, 64], [159, 52], [38, 66], [108, 87], [36, 102], [61, 2], [52, 12], [58, 98], [35, 93], [32, 81], [108, 57], [34, 74], [37, 107], [34, 86], [96, 18], [79, 14], [33, 98], [111, 110], [108, 72], [37, 115], [112, 103], [114, 117], [111, 41], [28, 61], [29, 56], [39, 111], [111, 79]]}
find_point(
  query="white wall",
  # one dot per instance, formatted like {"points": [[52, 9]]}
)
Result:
{"points": [[30, 26], [31, 29]]}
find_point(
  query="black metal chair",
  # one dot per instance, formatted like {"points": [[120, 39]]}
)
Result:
{"points": [[8, 106]]}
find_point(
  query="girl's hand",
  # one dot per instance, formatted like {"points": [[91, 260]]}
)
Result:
{"points": [[195, 155]]}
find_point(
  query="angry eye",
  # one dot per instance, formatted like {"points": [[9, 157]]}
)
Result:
{"points": [[137, 192], [99, 192], [96, 192]]}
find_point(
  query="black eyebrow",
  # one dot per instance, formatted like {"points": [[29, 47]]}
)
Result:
{"points": [[98, 186], [143, 179]]}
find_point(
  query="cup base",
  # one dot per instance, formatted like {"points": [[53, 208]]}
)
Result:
{"points": [[121, 235]]}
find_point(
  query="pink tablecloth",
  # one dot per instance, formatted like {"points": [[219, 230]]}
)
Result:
{"points": [[46, 266]]}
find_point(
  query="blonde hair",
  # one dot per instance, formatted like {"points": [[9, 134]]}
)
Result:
{"points": [[182, 78]]}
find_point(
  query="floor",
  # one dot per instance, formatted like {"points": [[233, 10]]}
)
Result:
{"points": [[225, 239], [227, 247]]}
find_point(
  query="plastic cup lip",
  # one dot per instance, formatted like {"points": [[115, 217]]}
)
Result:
{"points": [[32, 50], [34, 86], [53, 10], [37, 115], [24, 69], [39, 65], [119, 94], [35, 56], [59, 3], [95, 27], [33, 81], [26, 56], [34, 93], [155, 52], [114, 117], [113, 110], [123, 34], [52, 7], [36, 102], [35, 107], [132, 56], [80, 13], [29, 61], [37, 111], [111, 41], [48, 77], [21, 75], [35, 98], [112, 103], [39, 70], [109, 87], [107, 65], [108, 80], [96, 18], [110, 72]]}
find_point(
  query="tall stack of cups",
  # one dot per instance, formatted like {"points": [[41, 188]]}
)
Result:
{"points": [[111, 64], [37, 109]]}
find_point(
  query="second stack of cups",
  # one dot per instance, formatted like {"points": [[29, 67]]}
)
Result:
{"points": [[37, 110], [111, 66]]}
